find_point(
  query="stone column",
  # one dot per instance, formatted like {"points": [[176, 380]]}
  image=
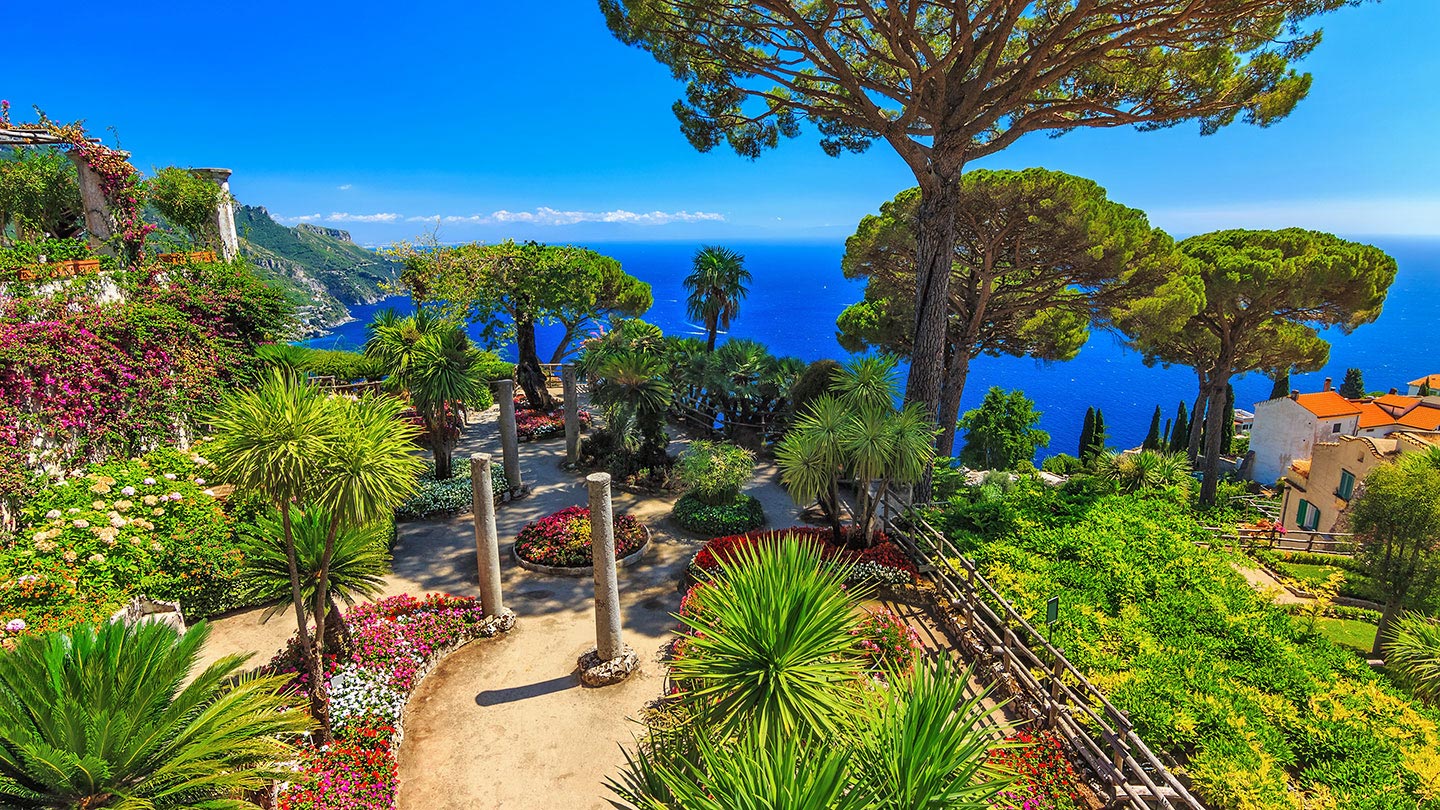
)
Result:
{"points": [[572, 414], [224, 224], [509, 437], [607, 589], [98, 222], [487, 539], [610, 660]]}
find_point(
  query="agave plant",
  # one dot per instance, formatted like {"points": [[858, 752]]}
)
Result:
{"points": [[358, 564], [110, 717], [771, 644], [1145, 470]]}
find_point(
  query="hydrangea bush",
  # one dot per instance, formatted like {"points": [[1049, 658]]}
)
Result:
{"points": [[562, 540], [882, 562]]}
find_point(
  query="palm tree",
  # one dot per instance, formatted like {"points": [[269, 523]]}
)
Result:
{"points": [[1412, 652], [357, 568], [434, 362], [292, 444], [635, 397], [108, 717], [717, 286]]}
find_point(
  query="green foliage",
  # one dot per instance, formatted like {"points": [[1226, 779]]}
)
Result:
{"points": [[1395, 517], [1262, 711], [1001, 433], [188, 200], [1412, 652], [1152, 436], [39, 196], [1180, 434], [1062, 464], [715, 471], [1147, 471], [358, 564], [108, 717], [1353, 386], [738, 515], [818, 380], [450, 496], [716, 287], [1281, 386], [28, 254]]}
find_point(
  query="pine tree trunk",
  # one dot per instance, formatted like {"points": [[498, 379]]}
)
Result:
{"points": [[1197, 423], [1387, 616], [527, 368], [935, 249], [956, 370], [1214, 434]]}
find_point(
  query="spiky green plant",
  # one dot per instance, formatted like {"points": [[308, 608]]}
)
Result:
{"points": [[924, 743], [771, 646], [810, 457], [357, 568], [1412, 652], [631, 390], [1145, 470], [106, 718]]}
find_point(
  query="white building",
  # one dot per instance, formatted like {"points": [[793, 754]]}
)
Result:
{"points": [[1288, 428], [1432, 380]]}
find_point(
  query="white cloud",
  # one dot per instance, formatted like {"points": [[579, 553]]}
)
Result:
{"points": [[345, 187], [1415, 216], [539, 216]]}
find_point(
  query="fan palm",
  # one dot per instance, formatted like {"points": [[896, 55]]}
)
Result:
{"points": [[717, 286], [1412, 651], [771, 644], [924, 744], [357, 568], [105, 717]]}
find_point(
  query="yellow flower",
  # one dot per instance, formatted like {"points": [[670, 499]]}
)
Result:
{"points": [[100, 488], [97, 505], [149, 500]]}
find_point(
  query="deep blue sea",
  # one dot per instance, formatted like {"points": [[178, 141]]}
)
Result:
{"points": [[798, 291]]}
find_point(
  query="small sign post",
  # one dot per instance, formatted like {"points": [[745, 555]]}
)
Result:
{"points": [[1052, 616]]}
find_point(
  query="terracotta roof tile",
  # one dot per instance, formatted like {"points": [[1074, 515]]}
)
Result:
{"points": [[1327, 404], [1372, 415], [1425, 418], [1433, 380], [1398, 401]]}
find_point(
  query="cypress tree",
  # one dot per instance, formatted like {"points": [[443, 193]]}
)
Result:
{"points": [[1180, 438], [1353, 387], [1152, 437], [1087, 434], [1281, 388], [1098, 438], [1164, 443], [1227, 433]]}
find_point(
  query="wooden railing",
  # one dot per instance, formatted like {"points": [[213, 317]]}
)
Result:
{"points": [[1038, 674], [1341, 544], [334, 386]]}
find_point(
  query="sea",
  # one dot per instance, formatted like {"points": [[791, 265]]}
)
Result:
{"points": [[798, 290]]}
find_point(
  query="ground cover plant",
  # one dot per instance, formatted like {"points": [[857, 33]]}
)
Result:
{"points": [[448, 497], [562, 539], [881, 562], [1261, 710], [394, 642]]}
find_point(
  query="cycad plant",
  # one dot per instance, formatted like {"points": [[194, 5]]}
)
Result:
{"points": [[358, 564], [631, 389], [1412, 652], [108, 717], [717, 284], [295, 445], [434, 363], [1147, 470]]}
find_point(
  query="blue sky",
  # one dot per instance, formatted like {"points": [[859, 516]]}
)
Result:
{"points": [[528, 119]]}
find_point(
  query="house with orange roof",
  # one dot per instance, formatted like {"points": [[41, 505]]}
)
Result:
{"points": [[1431, 381], [1288, 428]]}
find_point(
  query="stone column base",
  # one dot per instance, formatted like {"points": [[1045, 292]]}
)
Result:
{"points": [[597, 672]]}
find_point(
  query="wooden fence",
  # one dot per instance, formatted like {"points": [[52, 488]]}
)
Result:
{"points": [[1340, 544], [1037, 673]]}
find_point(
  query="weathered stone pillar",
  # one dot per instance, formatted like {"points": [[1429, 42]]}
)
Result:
{"points": [[509, 437], [611, 661], [572, 414], [229, 246], [487, 539], [98, 221]]}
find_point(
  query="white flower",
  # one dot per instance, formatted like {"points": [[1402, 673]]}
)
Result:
{"points": [[169, 476], [53, 514], [81, 524], [149, 482], [127, 491], [15, 625], [199, 482]]}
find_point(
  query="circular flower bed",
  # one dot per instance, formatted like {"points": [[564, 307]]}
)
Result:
{"points": [[883, 562], [562, 540], [740, 515], [531, 425], [394, 643]]}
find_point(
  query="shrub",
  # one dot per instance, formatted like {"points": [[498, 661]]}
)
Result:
{"points": [[882, 562], [91, 541], [562, 540], [343, 366], [449, 497], [715, 471], [741, 514], [1062, 464], [818, 380], [886, 642]]}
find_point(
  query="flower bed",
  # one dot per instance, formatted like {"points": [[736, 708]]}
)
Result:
{"points": [[395, 642], [1045, 779], [741, 515], [882, 563], [531, 425], [886, 642], [562, 540], [449, 497]]}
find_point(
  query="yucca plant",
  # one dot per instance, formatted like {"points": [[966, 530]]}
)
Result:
{"points": [[106, 718], [357, 567], [924, 743], [771, 646], [1412, 652]]}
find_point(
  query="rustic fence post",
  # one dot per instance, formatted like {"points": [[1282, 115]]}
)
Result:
{"points": [[1057, 669]]}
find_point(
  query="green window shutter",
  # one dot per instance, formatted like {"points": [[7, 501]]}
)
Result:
{"points": [[1347, 485], [1307, 515]]}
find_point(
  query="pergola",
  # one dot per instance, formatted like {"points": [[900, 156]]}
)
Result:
{"points": [[98, 222]]}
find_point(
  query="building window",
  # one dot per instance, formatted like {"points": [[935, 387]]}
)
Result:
{"points": [[1347, 485], [1307, 516], [1335, 428]]}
